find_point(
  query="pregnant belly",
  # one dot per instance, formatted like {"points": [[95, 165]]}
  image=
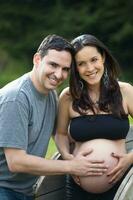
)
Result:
{"points": [[102, 149]]}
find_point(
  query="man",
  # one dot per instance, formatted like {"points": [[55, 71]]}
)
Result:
{"points": [[28, 108]]}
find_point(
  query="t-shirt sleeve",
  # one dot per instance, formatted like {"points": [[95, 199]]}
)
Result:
{"points": [[56, 111], [13, 125]]}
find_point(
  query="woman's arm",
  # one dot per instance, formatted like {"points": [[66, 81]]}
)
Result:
{"points": [[128, 92], [125, 160], [61, 137]]}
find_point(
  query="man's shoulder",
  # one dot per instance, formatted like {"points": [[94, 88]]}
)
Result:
{"points": [[12, 91]]}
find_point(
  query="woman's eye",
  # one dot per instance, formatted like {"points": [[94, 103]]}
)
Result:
{"points": [[81, 63], [94, 60]]}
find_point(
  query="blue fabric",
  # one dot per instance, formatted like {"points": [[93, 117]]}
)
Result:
{"points": [[7, 194]]}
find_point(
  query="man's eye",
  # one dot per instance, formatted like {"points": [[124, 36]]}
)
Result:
{"points": [[53, 64], [66, 69]]}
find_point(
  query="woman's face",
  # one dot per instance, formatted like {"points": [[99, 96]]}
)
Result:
{"points": [[90, 65]]}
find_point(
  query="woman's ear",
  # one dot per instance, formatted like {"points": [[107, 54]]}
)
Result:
{"points": [[36, 59]]}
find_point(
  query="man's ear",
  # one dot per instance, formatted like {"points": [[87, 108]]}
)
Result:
{"points": [[36, 59]]}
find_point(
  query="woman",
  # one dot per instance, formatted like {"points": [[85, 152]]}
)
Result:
{"points": [[93, 114]]}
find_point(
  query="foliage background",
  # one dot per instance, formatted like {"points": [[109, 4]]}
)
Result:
{"points": [[24, 23]]}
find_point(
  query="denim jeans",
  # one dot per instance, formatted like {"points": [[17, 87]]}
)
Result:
{"points": [[8, 194]]}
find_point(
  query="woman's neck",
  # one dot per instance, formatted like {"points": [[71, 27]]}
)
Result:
{"points": [[94, 93]]}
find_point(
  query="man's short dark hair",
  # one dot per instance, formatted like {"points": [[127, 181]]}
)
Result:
{"points": [[55, 42]]}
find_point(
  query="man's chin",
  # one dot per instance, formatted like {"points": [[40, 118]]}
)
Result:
{"points": [[53, 87]]}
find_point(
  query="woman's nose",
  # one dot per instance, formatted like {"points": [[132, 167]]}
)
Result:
{"points": [[90, 67]]}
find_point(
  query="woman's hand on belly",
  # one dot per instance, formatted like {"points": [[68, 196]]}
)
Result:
{"points": [[118, 171]]}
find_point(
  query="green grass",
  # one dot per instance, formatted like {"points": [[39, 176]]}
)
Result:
{"points": [[51, 149], [131, 120]]}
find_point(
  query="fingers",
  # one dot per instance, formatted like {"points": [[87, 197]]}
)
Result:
{"points": [[76, 179], [70, 156], [115, 174], [95, 173], [97, 161], [85, 152], [90, 172], [95, 170], [115, 155], [84, 168], [116, 177], [98, 165], [112, 172]]}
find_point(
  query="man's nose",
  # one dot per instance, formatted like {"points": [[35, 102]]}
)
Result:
{"points": [[58, 73]]}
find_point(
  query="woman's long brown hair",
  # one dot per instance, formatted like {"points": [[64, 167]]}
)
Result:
{"points": [[110, 100]]}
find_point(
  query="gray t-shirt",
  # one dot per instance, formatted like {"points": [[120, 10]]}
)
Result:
{"points": [[27, 120]]}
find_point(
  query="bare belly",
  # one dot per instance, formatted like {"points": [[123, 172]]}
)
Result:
{"points": [[102, 149]]}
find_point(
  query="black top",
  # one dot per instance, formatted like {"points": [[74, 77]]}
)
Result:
{"points": [[107, 126]]}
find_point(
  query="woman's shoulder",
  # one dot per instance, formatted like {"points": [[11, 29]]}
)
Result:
{"points": [[127, 92], [125, 87], [65, 94]]}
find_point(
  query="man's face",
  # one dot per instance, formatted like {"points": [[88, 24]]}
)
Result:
{"points": [[52, 69]]}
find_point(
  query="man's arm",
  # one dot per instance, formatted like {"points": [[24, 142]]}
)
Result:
{"points": [[21, 162]]}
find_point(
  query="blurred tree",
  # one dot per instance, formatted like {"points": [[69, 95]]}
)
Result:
{"points": [[24, 23]]}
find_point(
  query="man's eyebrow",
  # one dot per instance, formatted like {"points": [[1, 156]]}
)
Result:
{"points": [[57, 64], [50, 61]]}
